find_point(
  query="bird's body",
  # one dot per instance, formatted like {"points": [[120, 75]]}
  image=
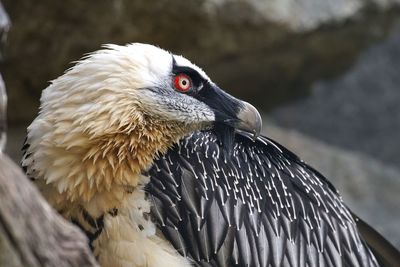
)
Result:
{"points": [[262, 206], [137, 146]]}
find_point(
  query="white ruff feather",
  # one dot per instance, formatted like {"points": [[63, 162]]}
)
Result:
{"points": [[130, 240]]}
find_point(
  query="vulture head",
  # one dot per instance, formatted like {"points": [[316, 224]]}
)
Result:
{"points": [[112, 113]]}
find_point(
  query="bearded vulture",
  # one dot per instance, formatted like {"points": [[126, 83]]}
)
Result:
{"points": [[160, 167]]}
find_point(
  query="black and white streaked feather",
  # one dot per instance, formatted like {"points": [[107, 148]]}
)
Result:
{"points": [[261, 206]]}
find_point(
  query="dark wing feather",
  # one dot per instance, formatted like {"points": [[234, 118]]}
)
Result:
{"points": [[25, 156], [386, 253], [262, 206]]}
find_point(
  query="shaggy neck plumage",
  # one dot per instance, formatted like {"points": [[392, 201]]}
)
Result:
{"points": [[87, 167], [118, 158]]}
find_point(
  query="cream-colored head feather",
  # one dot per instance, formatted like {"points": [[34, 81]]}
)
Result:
{"points": [[104, 121]]}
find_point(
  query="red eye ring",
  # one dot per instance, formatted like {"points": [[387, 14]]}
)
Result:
{"points": [[182, 82]]}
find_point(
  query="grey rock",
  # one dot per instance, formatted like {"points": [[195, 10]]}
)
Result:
{"points": [[31, 232], [303, 15], [4, 28], [358, 111], [4, 19], [299, 15], [15, 139], [249, 47], [370, 188], [3, 115]]}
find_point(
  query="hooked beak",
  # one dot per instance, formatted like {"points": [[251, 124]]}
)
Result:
{"points": [[249, 120], [230, 111]]}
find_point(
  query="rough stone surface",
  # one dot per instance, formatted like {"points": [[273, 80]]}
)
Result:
{"points": [[299, 15], [239, 43], [302, 15], [31, 232], [368, 187], [4, 28], [358, 111]]}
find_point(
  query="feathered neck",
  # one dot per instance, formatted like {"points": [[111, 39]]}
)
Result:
{"points": [[83, 165]]}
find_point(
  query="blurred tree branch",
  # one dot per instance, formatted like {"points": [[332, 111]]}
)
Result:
{"points": [[31, 232]]}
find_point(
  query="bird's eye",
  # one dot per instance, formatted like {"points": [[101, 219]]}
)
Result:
{"points": [[182, 83]]}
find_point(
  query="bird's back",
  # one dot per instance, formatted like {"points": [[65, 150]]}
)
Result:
{"points": [[259, 206]]}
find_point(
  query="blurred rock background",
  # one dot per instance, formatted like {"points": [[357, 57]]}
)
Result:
{"points": [[325, 73]]}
